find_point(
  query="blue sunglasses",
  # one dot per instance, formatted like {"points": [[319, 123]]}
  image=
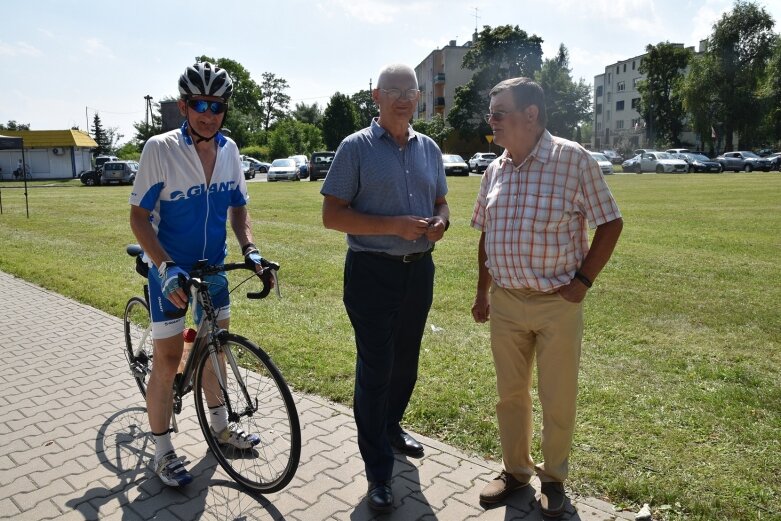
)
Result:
{"points": [[200, 106]]}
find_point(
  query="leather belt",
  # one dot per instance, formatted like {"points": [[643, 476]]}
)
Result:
{"points": [[410, 257]]}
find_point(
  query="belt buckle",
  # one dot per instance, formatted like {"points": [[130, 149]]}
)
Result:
{"points": [[410, 257]]}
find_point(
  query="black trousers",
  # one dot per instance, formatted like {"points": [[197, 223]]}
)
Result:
{"points": [[388, 303]]}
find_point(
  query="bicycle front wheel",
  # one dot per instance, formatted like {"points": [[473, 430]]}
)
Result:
{"points": [[138, 341], [259, 402]]}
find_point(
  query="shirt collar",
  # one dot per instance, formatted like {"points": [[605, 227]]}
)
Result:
{"points": [[378, 131], [541, 151]]}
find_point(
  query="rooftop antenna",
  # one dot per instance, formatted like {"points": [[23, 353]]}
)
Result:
{"points": [[476, 18]]}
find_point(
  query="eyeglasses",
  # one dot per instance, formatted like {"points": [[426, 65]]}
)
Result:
{"points": [[409, 94], [200, 106], [499, 115]]}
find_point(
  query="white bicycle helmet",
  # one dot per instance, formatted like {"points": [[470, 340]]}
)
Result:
{"points": [[205, 79]]}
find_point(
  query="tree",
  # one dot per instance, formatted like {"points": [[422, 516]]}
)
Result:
{"points": [[661, 104], [308, 113], [367, 109], [100, 136], [701, 102], [500, 53], [145, 131], [340, 119], [244, 118], [13, 125], [274, 102], [566, 103], [436, 128], [770, 95], [300, 138], [740, 49]]}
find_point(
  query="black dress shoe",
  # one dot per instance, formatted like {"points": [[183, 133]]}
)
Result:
{"points": [[380, 496], [406, 444]]}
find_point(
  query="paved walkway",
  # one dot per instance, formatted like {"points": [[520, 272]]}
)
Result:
{"points": [[75, 443]]}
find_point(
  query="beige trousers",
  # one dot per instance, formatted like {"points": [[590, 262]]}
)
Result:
{"points": [[526, 324]]}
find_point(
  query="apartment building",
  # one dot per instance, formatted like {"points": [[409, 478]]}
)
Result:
{"points": [[439, 74], [617, 123]]}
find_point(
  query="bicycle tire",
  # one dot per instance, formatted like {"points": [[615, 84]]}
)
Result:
{"points": [[137, 331], [270, 465]]}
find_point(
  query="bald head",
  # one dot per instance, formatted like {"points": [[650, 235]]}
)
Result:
{"points": [[390, 75]]}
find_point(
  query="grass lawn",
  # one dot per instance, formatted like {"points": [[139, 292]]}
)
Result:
{"points": [[680, 400]]}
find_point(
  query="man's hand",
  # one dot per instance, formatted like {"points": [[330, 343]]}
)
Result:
{"points": [[436, 228], [410, 227], [169, 282], [573, 292], [481, 309]]}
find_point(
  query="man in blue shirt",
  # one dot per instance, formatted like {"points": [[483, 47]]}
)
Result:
{"points": [[386, 190]]}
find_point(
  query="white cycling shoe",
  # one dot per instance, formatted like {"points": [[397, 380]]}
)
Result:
{"points": [[171, 470], [235, 437]]}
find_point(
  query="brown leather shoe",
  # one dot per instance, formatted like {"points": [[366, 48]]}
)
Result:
{"points": [[501, 487], [552, 498]]}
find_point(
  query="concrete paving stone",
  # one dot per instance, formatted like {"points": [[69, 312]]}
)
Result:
{"points": [[43, 510], [312, 449], [598, 504], [587, 512], [27, 500], [28, 469], [323, 508], [312, 490], [440, 489], [475, 473], [315, 468], [351, 470], [8, 508], [24, 456], [457, 510], [415, 508], [425, 471]]}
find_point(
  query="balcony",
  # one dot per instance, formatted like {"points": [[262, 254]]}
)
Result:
{"points": [[439, 102], [439, 78]]}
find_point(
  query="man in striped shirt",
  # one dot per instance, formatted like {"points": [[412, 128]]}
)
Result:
{"points": [[535, 266]]}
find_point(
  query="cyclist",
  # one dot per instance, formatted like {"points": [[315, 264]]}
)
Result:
{"points": [[189, 181]]}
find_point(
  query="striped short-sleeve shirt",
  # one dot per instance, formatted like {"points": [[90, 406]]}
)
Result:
{"points": [[536, 215]]}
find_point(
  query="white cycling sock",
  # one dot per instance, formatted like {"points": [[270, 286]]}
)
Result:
{"points": [[219, 416], [163, 445]]}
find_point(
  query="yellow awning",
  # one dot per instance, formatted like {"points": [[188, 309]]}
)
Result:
{"points": [[52, 138]]}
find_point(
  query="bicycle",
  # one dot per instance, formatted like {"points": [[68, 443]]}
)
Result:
{"points": [[251, 387]]}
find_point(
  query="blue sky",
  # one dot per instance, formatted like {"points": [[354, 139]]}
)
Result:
{"points": [[64, 60]]}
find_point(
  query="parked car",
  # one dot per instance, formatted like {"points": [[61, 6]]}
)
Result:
{"points": [[257, 166], [246, 167], [743, 160], [662, 162], [764, 152], [699, 162], [101, 160], [90, 177], [632, 164], [119, 172], [285, 169], [480, 161], [604, 163], [301, 163], [613, 156], [319, 164], [677, 150], [455, 165], [775, 161]]}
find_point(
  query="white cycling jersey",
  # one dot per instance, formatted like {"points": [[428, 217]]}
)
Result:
{"points": [[188, 216]]}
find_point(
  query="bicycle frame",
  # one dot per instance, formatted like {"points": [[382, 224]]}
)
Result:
{"points": [[208, 337]]}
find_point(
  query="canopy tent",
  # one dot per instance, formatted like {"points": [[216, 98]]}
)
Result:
{"points": [[15, 143]]}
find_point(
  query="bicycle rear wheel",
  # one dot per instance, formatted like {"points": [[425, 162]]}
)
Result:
{"points": [[138, 340], [259, 402]]}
